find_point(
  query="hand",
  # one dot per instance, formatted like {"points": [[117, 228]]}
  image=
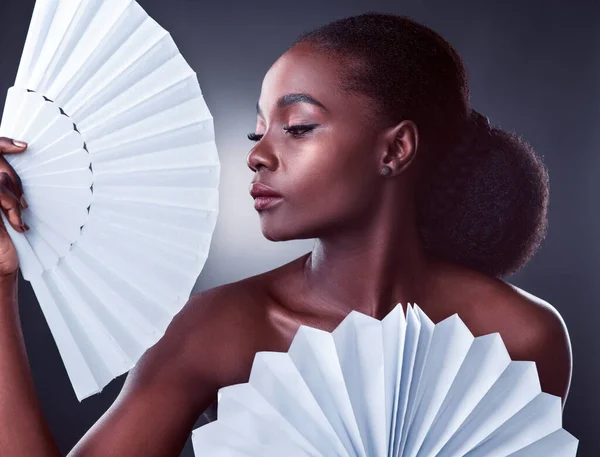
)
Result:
{"points": [[11, 203]]}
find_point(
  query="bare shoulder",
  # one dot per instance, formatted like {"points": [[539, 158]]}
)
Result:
{"points": [[542, 319], [531, 328], [532, 323], [224, 323], [231, 323], [544, 339], [491, 304], [210, 343]]}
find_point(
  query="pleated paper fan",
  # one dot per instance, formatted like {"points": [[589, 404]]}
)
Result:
{"points": [[395, 387], [121, 176]]}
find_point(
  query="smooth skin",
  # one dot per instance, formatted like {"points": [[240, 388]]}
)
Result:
{"points": [[367, 257]]}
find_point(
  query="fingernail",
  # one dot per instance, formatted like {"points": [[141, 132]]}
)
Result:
{"points": [[23, 202], [20, 144]]}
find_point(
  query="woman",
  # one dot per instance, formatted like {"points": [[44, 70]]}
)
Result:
{"points": [[366, 142]]}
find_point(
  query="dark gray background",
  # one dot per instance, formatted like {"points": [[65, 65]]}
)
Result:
{"points": [[534, 67]]}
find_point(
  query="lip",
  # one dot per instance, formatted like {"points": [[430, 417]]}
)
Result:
{"points": [[261, 203], [261, 190], [264, 196]]}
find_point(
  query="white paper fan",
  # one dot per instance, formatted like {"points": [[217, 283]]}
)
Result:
{"points": [[396, 387], [121, 176]]}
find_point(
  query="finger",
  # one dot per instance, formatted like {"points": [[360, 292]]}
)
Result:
{"points": [[15, 183], [9, 203], [10, 146]]}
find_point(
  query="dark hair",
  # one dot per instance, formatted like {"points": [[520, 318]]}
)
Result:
{"points": [[483, 201]]}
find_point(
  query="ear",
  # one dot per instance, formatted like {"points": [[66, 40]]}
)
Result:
{"points": [[400, 146]]}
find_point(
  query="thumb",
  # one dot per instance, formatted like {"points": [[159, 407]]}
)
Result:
{"points": [[10, 146]]}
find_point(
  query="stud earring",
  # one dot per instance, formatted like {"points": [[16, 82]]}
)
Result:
{"points": [[385, 171]]}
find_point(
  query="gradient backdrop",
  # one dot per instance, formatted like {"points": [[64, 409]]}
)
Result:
{"points": [[534, 67]]}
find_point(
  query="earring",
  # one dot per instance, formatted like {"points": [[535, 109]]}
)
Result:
{"points": [[385, 171]]}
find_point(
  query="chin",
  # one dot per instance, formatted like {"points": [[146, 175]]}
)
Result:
{"points": [[277, 235], [284, 232]]}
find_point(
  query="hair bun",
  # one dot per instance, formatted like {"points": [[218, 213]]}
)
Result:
{"points": [[454, 170], [487, 208]]}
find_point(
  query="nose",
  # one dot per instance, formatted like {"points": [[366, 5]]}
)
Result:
{"points": [[259, 156]]}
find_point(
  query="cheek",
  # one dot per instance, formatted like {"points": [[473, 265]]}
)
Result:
{"points": [[326, 185], [336, 183]]}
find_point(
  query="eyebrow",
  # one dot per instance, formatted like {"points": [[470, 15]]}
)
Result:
{"points": [[292, 98]]}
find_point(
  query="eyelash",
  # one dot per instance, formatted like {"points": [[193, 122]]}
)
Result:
{"points": [[291, 129]]}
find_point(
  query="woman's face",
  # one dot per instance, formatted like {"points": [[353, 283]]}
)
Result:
{"points": [[326, 172]]}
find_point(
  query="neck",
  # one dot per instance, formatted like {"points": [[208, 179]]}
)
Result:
{"points": [[369, 269]]}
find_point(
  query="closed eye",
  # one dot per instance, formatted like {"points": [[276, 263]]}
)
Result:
{"points": [[299, 129], [254, 137], [294, 130]]}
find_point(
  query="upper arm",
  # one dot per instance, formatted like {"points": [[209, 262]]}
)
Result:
{"points": [[170, 386]]}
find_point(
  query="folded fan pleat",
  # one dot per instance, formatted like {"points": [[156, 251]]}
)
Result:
{"points": [[396, 387], [121, 175]]}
